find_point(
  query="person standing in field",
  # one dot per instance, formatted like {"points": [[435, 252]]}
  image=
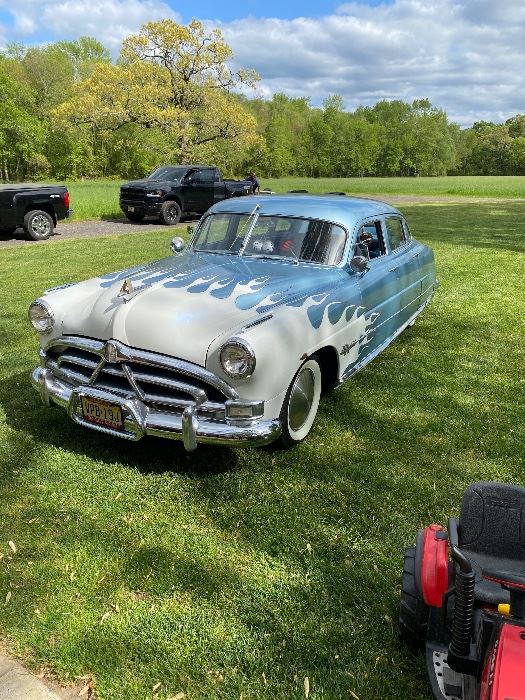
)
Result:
{"points": [[252, 177]]}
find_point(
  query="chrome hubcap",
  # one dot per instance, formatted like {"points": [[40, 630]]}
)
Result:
{"points": [[172, 213], [301, 399], [40, 225]]}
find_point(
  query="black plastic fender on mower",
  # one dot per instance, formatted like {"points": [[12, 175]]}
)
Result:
{"points": [[463, 597]]}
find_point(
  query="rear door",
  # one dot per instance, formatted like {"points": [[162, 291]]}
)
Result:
{"points": [[404, 255]]}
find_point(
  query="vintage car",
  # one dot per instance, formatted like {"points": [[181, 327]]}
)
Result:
{"points": [[232, 340]]}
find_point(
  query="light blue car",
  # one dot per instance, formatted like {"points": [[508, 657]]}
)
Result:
{"points": [[233, 339]]}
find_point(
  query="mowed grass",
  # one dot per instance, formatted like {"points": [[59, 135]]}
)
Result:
{"points": [[239, 573], [453, 186], [99, 199]]}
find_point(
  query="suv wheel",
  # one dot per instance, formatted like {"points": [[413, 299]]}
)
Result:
{"points": [[170, 213], [38, 225]]}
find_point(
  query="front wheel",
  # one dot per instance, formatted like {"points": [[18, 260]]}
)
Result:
{"points": [[170, 213], [301, 403], [413, 611], [38, 225]]}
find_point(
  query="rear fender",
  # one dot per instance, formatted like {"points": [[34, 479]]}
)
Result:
{"points": [[503, 675], [433, 572]]}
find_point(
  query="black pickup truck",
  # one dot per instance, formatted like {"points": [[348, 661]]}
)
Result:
{"points": [[172, 191], [36, 208]]}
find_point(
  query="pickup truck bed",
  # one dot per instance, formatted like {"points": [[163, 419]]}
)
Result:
{"points": [[35, 207]]}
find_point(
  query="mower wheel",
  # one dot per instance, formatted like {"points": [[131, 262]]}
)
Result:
{"points": [[413, 611]]}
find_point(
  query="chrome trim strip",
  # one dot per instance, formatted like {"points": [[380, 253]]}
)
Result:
{"points": [[139, 420], [355, 368]]}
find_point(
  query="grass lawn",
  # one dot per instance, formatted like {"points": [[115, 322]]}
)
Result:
{"points": [[238, 573], [96, 199]]}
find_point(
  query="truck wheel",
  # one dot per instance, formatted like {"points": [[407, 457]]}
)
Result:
{"points": [[413, 611], [301, 403], [38, 225], [133, 216], [170, 213]]}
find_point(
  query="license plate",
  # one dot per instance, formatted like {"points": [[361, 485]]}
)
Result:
{"points": [[102, 413], [131, 208]]}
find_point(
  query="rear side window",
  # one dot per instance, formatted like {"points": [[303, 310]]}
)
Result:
{"points": [[396, 235]]}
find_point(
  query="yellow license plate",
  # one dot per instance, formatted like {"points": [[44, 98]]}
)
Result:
{"points": [[102, 413]]}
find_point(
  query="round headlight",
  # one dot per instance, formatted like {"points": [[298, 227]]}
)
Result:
{"points": [[41, 317], [237, 358]]}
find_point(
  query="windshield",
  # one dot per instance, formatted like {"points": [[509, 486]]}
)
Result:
{"points": [[167, 172], [304, 240]]}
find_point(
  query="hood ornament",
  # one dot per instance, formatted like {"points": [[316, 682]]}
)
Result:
{"points": [[110, 352], [126, 289]]}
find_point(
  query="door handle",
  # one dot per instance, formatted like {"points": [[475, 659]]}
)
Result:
{"points": [[393, 269], [416, 255]]}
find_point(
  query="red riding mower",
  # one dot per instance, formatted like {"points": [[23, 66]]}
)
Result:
{"points": [[468, 611]]}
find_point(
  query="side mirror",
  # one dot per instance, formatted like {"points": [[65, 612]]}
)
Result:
{"points": [[177, 245], [359, 263]]}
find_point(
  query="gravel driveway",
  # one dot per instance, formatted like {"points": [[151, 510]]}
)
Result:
{"points": [[89, 229]]}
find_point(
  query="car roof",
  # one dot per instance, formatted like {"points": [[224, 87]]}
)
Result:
{"points": [[347, 211]]}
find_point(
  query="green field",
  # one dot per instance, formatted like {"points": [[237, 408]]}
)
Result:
{"points": [[237, 573], [95, 199]]}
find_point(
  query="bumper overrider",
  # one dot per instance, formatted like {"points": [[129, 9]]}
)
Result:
{"points": [[185, 423]]}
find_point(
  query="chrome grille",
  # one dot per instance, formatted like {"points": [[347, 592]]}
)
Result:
{"points": [[157, 380]]}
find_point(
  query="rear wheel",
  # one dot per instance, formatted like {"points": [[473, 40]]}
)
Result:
{"points": [[413, 611], [301, 403], [133, 216], [38, 225], [170, 213]]}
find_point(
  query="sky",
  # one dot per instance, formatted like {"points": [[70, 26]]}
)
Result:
{"points": [[466, 56]]}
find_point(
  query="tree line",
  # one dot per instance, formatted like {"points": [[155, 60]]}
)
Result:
{"points": [[68, 111]]}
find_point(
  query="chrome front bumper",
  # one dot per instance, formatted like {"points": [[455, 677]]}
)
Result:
{"points": [[140, 420]]}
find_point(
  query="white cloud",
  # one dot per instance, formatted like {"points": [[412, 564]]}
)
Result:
{"points": [[464, 55], [109, 21]]}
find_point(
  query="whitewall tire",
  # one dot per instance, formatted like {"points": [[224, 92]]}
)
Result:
{"points": [[301, 403]]}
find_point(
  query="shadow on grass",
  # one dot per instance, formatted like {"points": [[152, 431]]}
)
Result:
{"points": [[51, 426], [495, 226]]}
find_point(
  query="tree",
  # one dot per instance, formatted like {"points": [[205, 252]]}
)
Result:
{"points": [[172, 77]]}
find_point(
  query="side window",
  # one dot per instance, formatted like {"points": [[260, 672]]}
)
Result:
{"points": [[207, 176], [396, 235], [370, 242]]}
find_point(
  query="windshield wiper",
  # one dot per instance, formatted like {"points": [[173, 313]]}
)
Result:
{"points": [[269, 256], [250, 228]]}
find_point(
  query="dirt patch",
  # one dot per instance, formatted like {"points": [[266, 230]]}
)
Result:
{"points": [[89, 229]]}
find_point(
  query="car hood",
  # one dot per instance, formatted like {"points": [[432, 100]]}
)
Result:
{"points": [[148, 184], [179, 305]]}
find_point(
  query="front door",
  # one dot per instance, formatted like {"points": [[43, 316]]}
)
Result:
{"points": [[379, 286], [199, 190]]}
